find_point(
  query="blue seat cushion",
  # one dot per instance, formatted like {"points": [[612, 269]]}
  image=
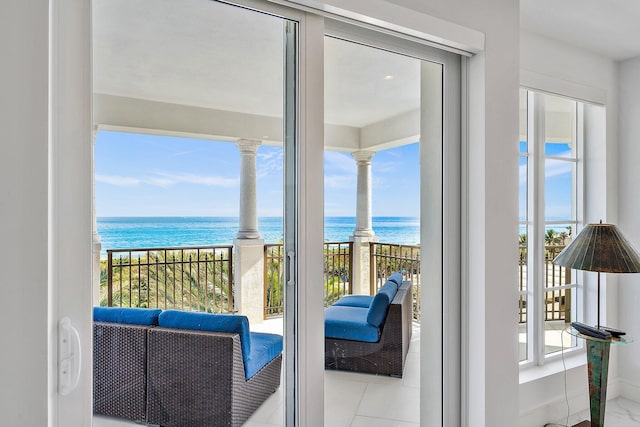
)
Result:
{"points": [[131, 316], [380, 304], [355, 301], [349, 323], [396, 278], [229, 323], [264, 348]]}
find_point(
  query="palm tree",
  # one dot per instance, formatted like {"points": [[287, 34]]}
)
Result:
{"points": [[523, 239], [551, 237], [563, 235]]}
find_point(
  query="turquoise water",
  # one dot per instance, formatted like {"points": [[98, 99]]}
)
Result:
{"points": [[153, 232]]}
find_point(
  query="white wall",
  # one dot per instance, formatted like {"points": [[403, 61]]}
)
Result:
{"points": [[555, 67], [23, 212], [492, 205], [628, 214]]}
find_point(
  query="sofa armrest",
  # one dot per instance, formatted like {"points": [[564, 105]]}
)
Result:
{"points": [[119, 370], [198, 366]]}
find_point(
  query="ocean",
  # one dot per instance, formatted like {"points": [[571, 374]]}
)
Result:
{"points": [[153, 232]]}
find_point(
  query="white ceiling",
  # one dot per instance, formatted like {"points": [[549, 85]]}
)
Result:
{"points": [[207, 54], [607, 27]]}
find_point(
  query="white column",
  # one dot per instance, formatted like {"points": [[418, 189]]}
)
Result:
{"points": [[363, 235], [248, 244], [363, 205], [95, 237], [248, 204]]}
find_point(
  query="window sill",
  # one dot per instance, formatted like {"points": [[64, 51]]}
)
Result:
{"points": [[574, 359]]}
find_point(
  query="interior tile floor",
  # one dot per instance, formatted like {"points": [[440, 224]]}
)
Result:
{"points": [[620, 412]]}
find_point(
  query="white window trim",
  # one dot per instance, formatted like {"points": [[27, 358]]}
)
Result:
{"points": [[538, 364]]}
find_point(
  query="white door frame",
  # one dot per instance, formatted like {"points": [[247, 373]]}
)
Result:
{"points": [[70, 212], [71, 190], [70, 201]]}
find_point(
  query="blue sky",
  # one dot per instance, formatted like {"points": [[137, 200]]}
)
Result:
{"points": [[558, 182], [149, 175]]}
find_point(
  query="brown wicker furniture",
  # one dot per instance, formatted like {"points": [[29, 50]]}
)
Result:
{"points": [[197, 379], [119, 370], [120, 361], [176, 374], [387, 355]]}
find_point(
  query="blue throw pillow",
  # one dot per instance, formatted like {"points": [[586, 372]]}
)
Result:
{"points": [[395, 278], [211, 322], [131, 316], [380, 304], [378, 310], [390, 289]]}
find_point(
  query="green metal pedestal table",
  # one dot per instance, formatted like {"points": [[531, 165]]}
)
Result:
{"points": [[598, 367]]}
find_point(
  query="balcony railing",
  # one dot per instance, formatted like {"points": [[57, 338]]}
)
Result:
{"points": [[387, 258], [273, 280], [190, 278], [338, 267], [338, 271], [201, 278], [557, 304]]}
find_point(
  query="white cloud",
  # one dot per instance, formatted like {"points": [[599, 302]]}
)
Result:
{"points": [[387, 167], [552, 168], [557, 167], [378, 183], [269, 162], [120, 181], [343, 162], [161, 179], [159, 182], [166, 179], [340, 181], [182, 153]]}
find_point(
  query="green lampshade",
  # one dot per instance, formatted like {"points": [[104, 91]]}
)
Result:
{"points": [[600, 247]]}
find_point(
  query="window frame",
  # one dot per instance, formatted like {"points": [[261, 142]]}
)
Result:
{"points": [[535, 224]]}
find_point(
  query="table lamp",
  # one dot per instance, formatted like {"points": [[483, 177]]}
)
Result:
{"points": [[602, 248]]}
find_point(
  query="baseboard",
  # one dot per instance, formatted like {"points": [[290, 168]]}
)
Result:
{"points": [[578, 402], [554, 411]]}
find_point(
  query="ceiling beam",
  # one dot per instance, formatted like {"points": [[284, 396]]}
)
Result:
{"points": [[135, 115]]}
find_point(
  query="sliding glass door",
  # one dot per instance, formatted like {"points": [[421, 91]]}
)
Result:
{"points": [[252, 77], [392, 202], [197, 180]]}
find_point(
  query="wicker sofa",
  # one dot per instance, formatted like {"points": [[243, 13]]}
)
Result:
{"points": [[187, 369], [371, 334]]}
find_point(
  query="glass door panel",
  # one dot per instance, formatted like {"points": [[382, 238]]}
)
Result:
{"points": [[195, 107], [372, 168]]}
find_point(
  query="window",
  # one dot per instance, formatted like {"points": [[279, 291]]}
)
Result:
{"points": [[550, 189]]}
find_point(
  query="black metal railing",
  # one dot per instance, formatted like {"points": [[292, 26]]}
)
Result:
{"points": [[188, 278], [387, 258], [273, 280], [201, 278], [557, 302], [338, 267]]}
